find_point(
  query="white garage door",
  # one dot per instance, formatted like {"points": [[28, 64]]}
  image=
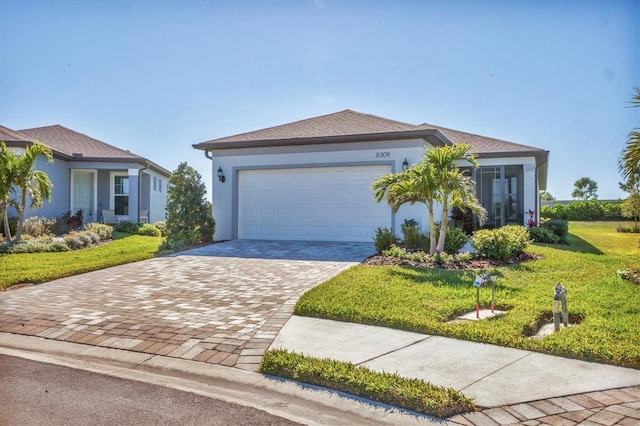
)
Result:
{"points": [[312, 204]]}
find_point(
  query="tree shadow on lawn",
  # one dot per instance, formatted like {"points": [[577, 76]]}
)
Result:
{"points": [[576, 245], [439, 277]]}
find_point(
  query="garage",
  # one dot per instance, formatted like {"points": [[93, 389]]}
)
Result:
{"points": [[310, 203]]}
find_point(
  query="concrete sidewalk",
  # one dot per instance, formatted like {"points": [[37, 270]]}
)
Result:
{"points": [[493, 376]]}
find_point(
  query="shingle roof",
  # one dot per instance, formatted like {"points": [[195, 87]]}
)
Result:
{"points": [[343, 126], [482, 144], [342, 123], [9, 135], [353, 126], [74, 144]]}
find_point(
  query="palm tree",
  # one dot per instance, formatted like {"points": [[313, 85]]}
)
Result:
{"points": [[455, 189], [31, 182], [8, 161], [417, 184], [629, 161], [434, 179]]}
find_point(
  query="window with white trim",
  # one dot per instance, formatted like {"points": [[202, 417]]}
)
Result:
{"points": [[155, 183], [121, 194]]}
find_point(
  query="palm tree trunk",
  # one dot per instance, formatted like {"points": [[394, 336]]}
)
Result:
{"points": [[443, 227], [432, 229], [23, 203], [5, 219]]}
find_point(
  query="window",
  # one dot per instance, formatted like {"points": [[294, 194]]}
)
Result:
{"points": [[500, 191], [121, 195], [160, 182], [155, 185]]}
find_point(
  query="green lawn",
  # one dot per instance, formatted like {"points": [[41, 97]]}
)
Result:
{"points": [[42, 267], [424, 300]]}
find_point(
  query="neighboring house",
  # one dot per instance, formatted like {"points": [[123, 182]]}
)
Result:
{"points": [[94, 176], [311, 179]]}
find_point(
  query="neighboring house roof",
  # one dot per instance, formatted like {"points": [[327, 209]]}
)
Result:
{"points": [[68, 144], [77, 145], [353, 126], [8, 135]]}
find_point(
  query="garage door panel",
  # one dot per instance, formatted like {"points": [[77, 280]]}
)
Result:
{"points": [[327, 203]]}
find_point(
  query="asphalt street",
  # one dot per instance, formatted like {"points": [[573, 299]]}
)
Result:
{"points": [[35, 393]]}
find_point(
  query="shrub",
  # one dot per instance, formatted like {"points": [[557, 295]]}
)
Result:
{"points": [[501, 243], [162, 226], [389, 388], [635, 229], [543, 235], [384, 239], [188, 213], [558, 227], [38, 226], [127, 227], [80, 239], [455, 239], [402, 253], [413, 238], [179, 240], [73, 241], [74, 221], [103, 231], [39, 245], [149, 230], [13, 226], [462, 219]]}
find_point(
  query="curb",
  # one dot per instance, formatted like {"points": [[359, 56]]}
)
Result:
{"points": [[298, 402]]}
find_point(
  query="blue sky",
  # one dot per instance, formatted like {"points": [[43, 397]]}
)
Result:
{"points": [[156, 76]]}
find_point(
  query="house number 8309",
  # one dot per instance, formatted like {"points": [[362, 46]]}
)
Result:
{"points": [[383, 154]]}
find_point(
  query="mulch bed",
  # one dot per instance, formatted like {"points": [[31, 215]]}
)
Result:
{"points": [[470, 265]]}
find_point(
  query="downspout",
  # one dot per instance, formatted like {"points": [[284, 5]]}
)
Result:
{"points": [[140, 191]]}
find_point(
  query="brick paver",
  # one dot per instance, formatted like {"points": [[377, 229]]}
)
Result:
{"points": [[222, 304], [614, 407]]}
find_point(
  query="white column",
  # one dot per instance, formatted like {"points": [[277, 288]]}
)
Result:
{"points": [[530, 191]]}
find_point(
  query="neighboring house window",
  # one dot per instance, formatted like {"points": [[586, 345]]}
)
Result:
{"points": [[121, 195], [155, 184], [160, 185]]}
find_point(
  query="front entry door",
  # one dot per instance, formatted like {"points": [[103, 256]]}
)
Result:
{"points": [[83, 195]]}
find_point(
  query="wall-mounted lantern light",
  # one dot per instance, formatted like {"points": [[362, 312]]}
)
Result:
{"points": [[405, 164], [221, 177]]}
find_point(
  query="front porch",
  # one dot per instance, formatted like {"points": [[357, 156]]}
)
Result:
{"points": [[110, 196]]}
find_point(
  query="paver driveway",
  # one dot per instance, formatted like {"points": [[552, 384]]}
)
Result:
{"points": [[221, 304]]}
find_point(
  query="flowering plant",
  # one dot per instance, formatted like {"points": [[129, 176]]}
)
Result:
{"points": [[532, 222]]}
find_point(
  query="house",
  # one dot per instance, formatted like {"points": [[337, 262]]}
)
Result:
{"points": [[311, 179], [94, 176]]}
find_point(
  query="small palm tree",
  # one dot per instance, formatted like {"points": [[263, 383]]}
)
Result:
{"points": [[629, 161], [455, 189], [417, 184], [434, 179], [8, 162], [30, 182]]}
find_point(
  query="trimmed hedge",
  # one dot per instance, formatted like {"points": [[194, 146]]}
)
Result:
{"points": [[393, 389], [584, 210]]}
